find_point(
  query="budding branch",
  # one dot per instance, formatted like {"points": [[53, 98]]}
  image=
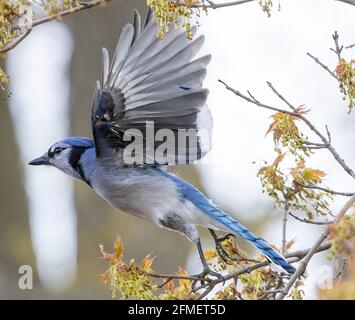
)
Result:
{"points": [[84, 5]]}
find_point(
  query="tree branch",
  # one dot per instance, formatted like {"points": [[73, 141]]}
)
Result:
{"points": [[338, 48], [281, 96], [338, 193], [352, 2], [323, 66], [174, 276], [303, 265], [208, 284], [301, 117], [59, 15], [284, 227], [90, 4], [256, 102], [291, 258], [83, 6], [14, 44], [214, 5], [319, 223]]}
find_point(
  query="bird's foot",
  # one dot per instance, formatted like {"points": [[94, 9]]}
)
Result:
{"points": [[220, 250], [203, 279]]}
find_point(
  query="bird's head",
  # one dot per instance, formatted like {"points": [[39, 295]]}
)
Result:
{"points": [[65, 155]]}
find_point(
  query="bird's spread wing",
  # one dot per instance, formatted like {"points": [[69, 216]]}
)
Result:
{"points": [[152, 84]]}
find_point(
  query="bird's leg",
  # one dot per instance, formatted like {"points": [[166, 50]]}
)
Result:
{"points": [[175, 222], [206, 269], [218, 242]]}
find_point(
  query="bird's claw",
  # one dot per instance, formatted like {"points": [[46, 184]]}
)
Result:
{"points": [[220, 250], [227, 236], [203, 275]]}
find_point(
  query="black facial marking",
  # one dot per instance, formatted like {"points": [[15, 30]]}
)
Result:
{"points": [[55, 151], [74, 157]]}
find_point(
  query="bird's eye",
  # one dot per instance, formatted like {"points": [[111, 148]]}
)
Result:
{"points": [[58, 151]]}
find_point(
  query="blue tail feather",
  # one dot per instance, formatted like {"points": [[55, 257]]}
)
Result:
{"points": [[258, 242], [190, 193]]}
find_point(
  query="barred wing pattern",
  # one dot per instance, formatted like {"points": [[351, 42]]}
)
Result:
{"points": [[152, 84]]}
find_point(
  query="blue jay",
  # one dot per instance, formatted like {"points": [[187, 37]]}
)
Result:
{"points": [[150, 80]]}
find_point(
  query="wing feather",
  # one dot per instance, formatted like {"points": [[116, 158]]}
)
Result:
{"points": [[150, 80]]}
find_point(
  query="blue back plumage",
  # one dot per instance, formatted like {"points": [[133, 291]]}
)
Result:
{"points": [[188, 192]]}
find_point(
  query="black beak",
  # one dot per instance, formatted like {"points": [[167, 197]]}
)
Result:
{"points": [[44, 160]]}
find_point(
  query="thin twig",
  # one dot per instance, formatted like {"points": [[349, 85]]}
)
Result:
{"points": [[328, 133], [214, 5], [304, 119], [256, 102], [87, 5], [205, 293], [342, 269], [90, 4], [56, 16], [284, 227], [172, 276], [323, 66], [165, 283], [292, 257], [281, 96], [310, 143], [351, 46], [302, 253], [209, 284], [352, 2], [17, 41], [266, 293], [310, 147], [345, 194], [338, 48], [252, 96], [304, 220], [83, 5], [211, 3]]}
